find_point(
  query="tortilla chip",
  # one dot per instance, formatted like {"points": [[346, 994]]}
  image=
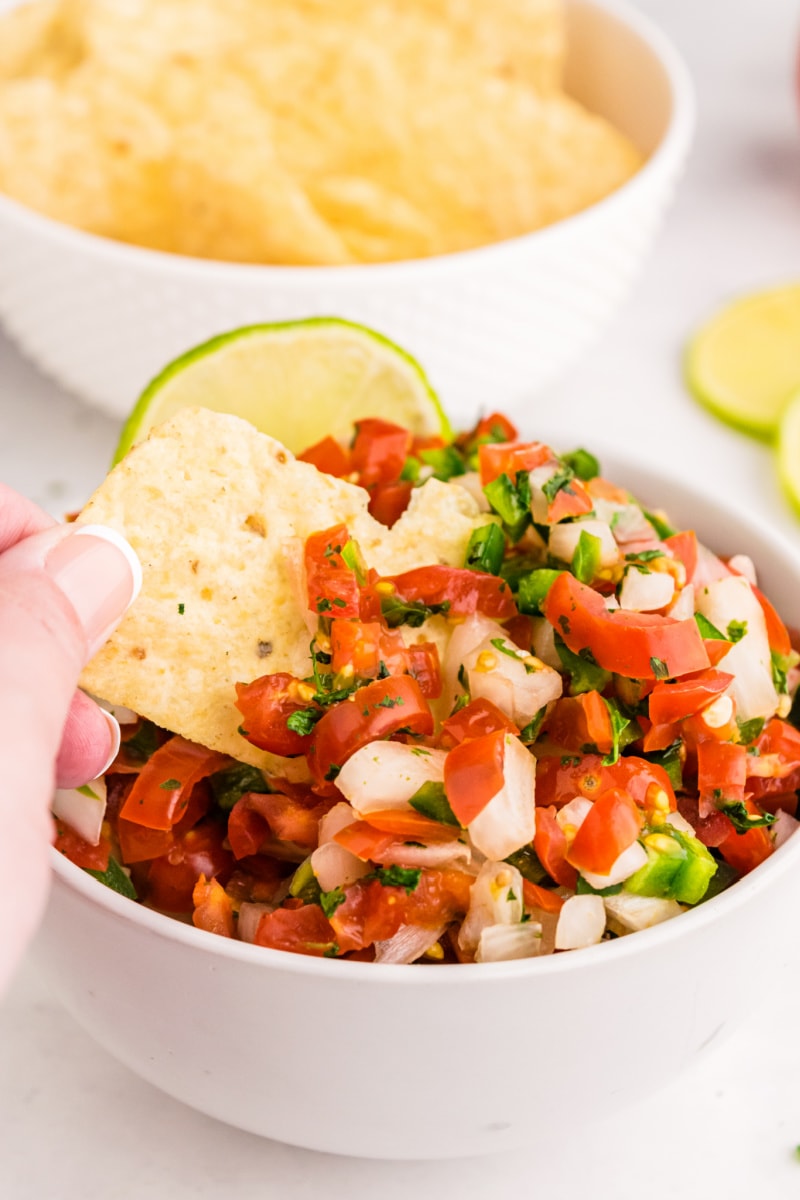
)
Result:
{"points": [[218, 514]]}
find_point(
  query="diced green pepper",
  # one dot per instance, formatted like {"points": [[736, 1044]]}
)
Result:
{"points": [[116, 878], [507, 501], [446, 462], [486, 549], [586, 559], [533, 589]]}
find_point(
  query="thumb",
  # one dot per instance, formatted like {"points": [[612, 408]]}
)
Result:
{"points": [[62, 592]]}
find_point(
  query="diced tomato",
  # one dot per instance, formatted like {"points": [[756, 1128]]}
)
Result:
{"points": [[372, 912], [139, 844], [716, 649], [721, 772], [474, 720], [289, 815], [266, 705], [495, 427], [712, 830], [79, 851], [427, 442], [388, 501], [581, 723], [379, 451], [332, 584], [160, 795], [463, 590], [356, 644], [695, 730], [423, 665], [411, 825], [550, 844], [673, 701], [572, 500], [777, 633], [635, 645], [508, 458], [303, 930], [520, 631], [744, 851], [612, 825], [373, 712], [328, 456], [684, 548], [539, 897], [559, 781], [659, 737], [778, 745], [363, 839], [602, 489], [213, 910], [473, 774], [171, 879]]}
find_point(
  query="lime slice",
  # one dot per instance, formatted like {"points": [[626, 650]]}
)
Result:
{"points": [[745, 363], [296, 380], [789, 450]]}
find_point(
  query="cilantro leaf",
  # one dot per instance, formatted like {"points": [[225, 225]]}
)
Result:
{"points": [[750, 730], [585, 673], [330, 901], [303, 720], [231, 783], [404, 877], [741, 819], [736, 630], [143, 743], [659, 668], [116, 878]]}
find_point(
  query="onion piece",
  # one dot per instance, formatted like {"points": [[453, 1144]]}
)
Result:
{"points": [[501, 943], [384, 775], [408, 944], [441, 854], [495, 899], [785, 825], [748, 660], [83, 809], [508, 821], [465, 637], [471, 482], [581, 922], [564, 538], [645, 591], [334, 866], [682, 606], [543, 641], [742, 564], [249, 919], [640, 912], [496, 671]]}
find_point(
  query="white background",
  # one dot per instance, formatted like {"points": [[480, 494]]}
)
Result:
{"points": [[75, 1124]]}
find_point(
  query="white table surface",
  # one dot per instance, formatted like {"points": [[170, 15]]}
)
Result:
{"points": [[73, 1123]]}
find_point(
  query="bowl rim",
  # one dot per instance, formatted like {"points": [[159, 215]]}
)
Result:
{"points": [[589, 959], [669, 152]]}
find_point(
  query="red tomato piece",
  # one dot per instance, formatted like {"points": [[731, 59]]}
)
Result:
{"points": [[332, 585], [289, 815], [376, 711], [163, 787], [475, 720], [572, 500], [777, 633], [372, 912], [611, 826], [473, 774], [303, 930], [138, 844], [711, 830], [520, 631], [79, 851], [508, 458], [266, 705], [379, 451], [410, 825], [671, 702], [356, 644], [550, 844], [721, 772], [495, 427], [539, 897], [364, 840], [328, 456], [779, 746], [388, 501], [463, 590], [558, 780], [213, 910], [636, 645], [659, 737], [171, 879], [602, 489], [423, 665], [684, 548], [581, 723], [745, 851], [716, 649]]}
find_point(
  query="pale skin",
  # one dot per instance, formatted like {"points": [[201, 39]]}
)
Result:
{"points": [[61, 594]]}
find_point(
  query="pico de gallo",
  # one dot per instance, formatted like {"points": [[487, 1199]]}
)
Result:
{"points": [[587, 729]]}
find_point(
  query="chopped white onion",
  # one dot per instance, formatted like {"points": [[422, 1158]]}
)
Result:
{"points": [[581, 922], [438, 854], [471, 482], [543, 642], [496, 671], [338, 817], [627, 864], [83, 809], [538, 477], [680, 823], [645, 591], [408, 944], [501, 943], [784, 827], [631, 526], [508, 821], [387, 774], [124, 716], [249, 919], [722, 601], [334, 866], [640, 912], [573, 814], [465, 637], [495, 899], [682, 606], [564, 538], [742, 564]]}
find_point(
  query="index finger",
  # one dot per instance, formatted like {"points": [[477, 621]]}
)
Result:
{"points": [[19, 518]]}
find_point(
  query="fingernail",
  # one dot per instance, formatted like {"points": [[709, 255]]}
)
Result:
{"points": [[99, 573], [116, 740]]}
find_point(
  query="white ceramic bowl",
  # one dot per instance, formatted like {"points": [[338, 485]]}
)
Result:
{"points": [[490, 325], [432, 1061]]}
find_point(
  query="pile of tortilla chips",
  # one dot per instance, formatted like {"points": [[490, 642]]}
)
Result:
{"points": [[299, 131]]}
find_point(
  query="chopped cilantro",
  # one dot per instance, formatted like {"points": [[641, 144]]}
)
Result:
{"points": [[670, 760], [660, 524], [231, 783], [500, 644], [750, 730], [339, 602], [404, 877], [332, 772], [586, 675], [169, 785], [511, 896], [303, 720], [397, 612], [181, 609], [115, 877], [558, 482], [741, 819], [707, 630], [390, 702], [143, 743], [323, 605], [736, 630], [431, 800], [659, 668], [644, 556], [330, 901], [570, 760], [511, 502], [530, 732], [781, 665], [624, 730]]}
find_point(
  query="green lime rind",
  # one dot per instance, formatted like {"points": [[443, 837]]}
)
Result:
{"points": [[162, 397], [743, 365], [789, 451]]}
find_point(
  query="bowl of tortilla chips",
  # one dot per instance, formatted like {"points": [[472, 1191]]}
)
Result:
{"points": [[479, 180]]}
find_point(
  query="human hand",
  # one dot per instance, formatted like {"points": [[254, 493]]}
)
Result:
{"points": [[63, 589]]}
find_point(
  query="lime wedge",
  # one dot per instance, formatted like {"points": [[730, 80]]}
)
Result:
{"points": [[789, 450], [744, 364], [296, 380]]}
